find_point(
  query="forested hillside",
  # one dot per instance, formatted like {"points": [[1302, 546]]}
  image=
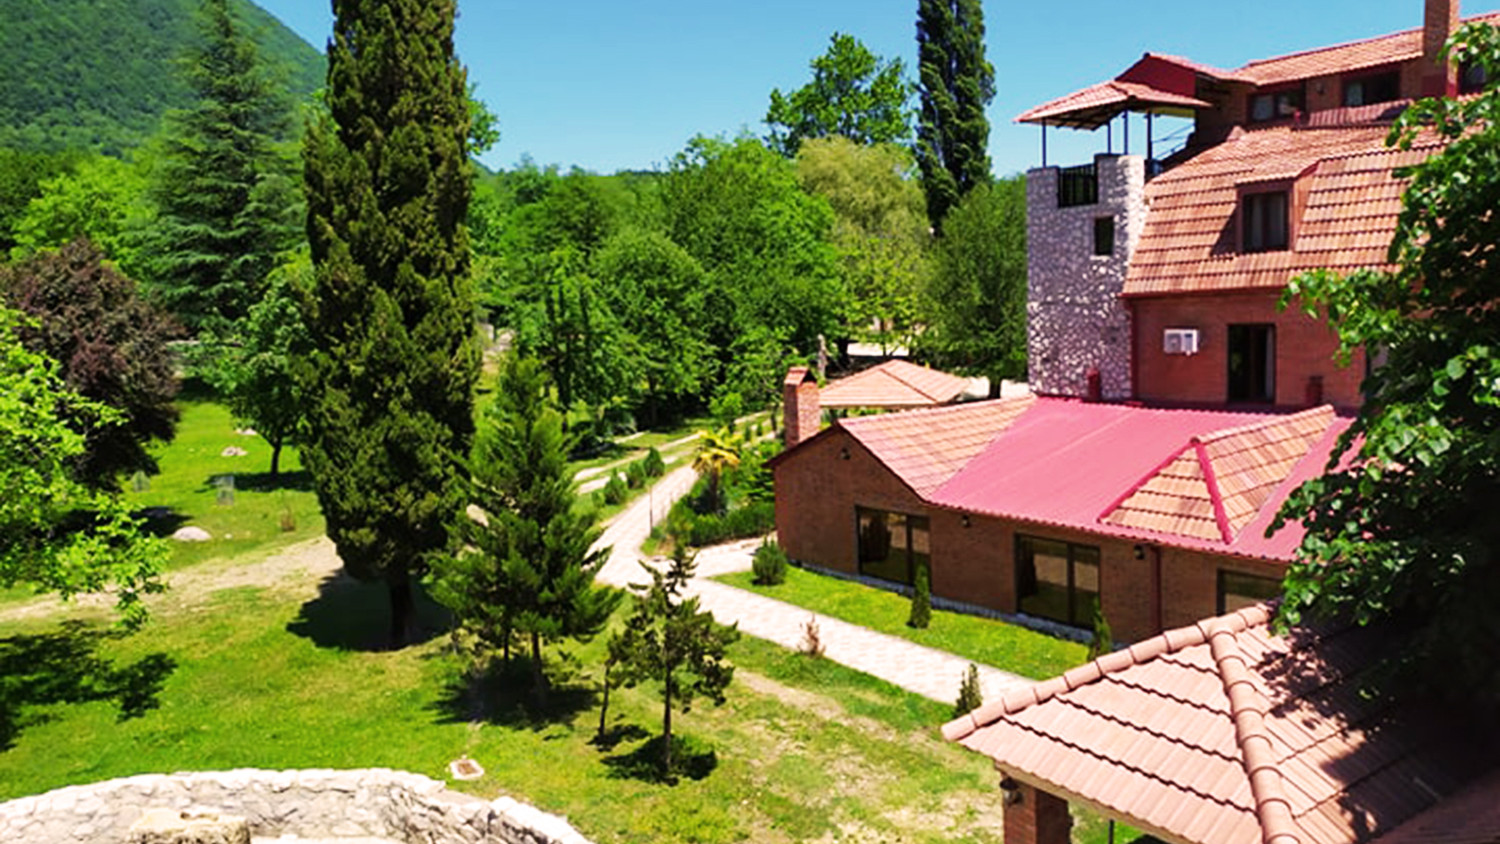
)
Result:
{"points": [[98, 74]]}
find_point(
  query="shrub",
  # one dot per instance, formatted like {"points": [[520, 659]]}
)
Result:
{"points": [[921, 600], [635, 475], [769, 564], [970, 697], [615, 490], [1104, 639], [653, 464]]}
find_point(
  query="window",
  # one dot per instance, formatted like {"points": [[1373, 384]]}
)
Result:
{"points": [[1077, 186], [1104, 235], [1275, 105], [1238, 590], [1471, 78], [1057, 580], [1375, 88], [891, 545], [1252, 363], [1265, 223]]}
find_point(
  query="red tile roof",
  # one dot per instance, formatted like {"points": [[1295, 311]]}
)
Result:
{"points": [[1223, 733], [1190, 243], [1098, 104], [1341, 58], [1091, 466], [925, 447], [894, 384]]}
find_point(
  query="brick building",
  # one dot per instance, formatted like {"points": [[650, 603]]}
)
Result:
{"points": [[1176, 405]]}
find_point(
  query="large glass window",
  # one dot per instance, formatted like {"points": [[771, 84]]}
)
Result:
{"points": [[1275, 105], [1237, 590], [1057, 580], [1375, 88], [892, 545], [1252, 363]]}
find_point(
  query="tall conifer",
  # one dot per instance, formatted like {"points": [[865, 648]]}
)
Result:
{"points": [[956, 83], [223, 189], [388, 384]]}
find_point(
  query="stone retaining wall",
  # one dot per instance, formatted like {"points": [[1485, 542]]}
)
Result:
{"points": [[374, 803]]}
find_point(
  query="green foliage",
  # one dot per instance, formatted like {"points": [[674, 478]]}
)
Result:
{"points": [[388, 383], [717, 451], [668, 641], [921, 599], [769, 564], [102, 199], [955, 83], [111, 347], [228, 206], [99, 74], [254, 371], [635, 475], [22, 176], [976, 296], [1402, 525], [528, 568], [653, 464], [970, 697], [616, 490], [853, 93], [1103, 642], [880, 231], [56, 534]]}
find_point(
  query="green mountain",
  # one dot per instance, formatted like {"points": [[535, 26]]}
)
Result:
{"points": [[99, 74]]}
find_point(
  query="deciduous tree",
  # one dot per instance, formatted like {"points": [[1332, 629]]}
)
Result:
{"points": [[389, 378], [56, 534], [1402, 526], [853, 93], [111, 348], [955, 83]]}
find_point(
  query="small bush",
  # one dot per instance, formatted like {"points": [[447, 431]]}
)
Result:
{"points": [[1104, 639], [970, 697], [653, 464], [635, 475], [921, 600], [769, 564], [615, 491]]}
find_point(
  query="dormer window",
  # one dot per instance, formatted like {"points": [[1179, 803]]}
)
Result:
{"points": [[1275, 105], [1265, 221], [1373, 88]]}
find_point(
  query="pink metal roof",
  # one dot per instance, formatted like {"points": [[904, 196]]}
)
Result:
{"points": [[1072, 464], [894, 384], [1224, 733]]}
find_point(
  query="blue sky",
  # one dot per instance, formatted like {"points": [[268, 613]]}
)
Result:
{"points": [[623, 84]]}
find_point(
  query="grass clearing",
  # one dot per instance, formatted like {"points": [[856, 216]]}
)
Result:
{"points": [[983, 640], [803, 750]]}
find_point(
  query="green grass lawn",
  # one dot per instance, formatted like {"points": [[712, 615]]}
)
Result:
{"points": [[252, 677], [982, 640]]}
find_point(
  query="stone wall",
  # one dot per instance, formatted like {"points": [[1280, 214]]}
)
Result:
{"points": [[1075, 318], [373, 803]]}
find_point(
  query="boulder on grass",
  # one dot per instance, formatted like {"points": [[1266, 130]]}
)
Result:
{"points": [[191, 534]]}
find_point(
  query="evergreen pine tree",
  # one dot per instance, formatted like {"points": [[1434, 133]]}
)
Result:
{"points": [[921, 599], [530, 570], [226, 195], [955, 83], [388, 381], [970, 697]]}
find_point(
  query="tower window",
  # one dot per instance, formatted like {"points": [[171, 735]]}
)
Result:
{"points": [[1104, 235]]}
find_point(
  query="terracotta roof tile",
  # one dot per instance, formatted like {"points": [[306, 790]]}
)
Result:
{"points": [[1148, 741], [1095, 105], [894, 384], [1341, 58], [924, 448]]}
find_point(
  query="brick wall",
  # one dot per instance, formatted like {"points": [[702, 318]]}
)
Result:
{"points": [[802, 411], [1190, 583], [1304, 347], [1037, 818], [817, 491]]}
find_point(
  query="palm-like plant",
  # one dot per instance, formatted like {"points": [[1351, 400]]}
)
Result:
{"points": [[717, 451]]}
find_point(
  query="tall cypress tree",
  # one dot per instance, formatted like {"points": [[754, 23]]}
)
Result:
{"points": [[223, 189], [956, 83], [388, 382]]}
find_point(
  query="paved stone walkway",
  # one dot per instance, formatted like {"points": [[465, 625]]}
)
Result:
{"points": [[932, 673]]}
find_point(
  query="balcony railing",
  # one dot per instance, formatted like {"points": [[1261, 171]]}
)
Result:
{"points": [[1077, 186]]}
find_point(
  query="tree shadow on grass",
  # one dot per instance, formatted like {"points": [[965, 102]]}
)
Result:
{"points": [[41, 670], [690, 759], [298, 481], [502, 694], [351, 615], [161, 522]]}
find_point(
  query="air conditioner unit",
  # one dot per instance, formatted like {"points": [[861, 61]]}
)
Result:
{"points": [[1180, 341]]}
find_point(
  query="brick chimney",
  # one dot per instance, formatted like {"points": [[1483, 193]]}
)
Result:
{"points": [[1438, 23], [800, 408]]}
